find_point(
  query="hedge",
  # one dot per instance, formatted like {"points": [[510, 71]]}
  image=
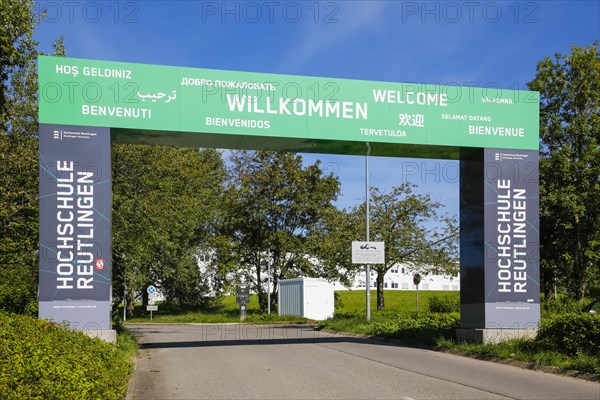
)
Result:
{"points": [[425, 328], [444, 304], [43, 360], [571, 333]]}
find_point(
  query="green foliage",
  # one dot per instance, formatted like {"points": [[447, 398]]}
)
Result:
{"points": [[19, 156], [444, 304], [396, 300], [439, 329], [569, 87], [274, 203], [533, 352], [595, 291], [222, 310], [203, 317], [337, 300], [41, 360], [165, 202], [18, 223], [17, 58], [329, 242], [424, 328], [572, 333], [415, 233], [561, 305]]}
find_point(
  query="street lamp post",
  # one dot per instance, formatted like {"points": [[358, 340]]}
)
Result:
{"points": [[269, 281], [367, 200]]}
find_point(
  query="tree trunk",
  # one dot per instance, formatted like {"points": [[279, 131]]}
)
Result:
{"points": [[274, 289], [548, 291], [579, 264], [144, 297], [380, 300], [262, 296], [548, 282], [581, 289], [130, 304]]}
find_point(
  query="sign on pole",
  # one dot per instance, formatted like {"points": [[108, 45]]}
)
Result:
{"points": [[368, 252], [417, 279], [151, 290], [242, 295]]}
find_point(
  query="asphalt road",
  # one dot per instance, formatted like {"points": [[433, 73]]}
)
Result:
{"points": [[232, 361]]}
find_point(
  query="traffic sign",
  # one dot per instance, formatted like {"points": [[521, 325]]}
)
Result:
{"points": [[368, 252], [242, 295], [151, 290], [417, 279]]}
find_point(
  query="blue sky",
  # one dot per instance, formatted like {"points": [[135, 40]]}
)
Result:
{"points": [[466, 43]]}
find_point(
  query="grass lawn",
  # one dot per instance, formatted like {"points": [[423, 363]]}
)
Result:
{"points": [[224, 311], [349, 301], [352, 301]]}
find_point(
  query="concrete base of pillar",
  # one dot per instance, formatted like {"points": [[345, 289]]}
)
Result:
{"points": [[495, 335], [108, 335]]}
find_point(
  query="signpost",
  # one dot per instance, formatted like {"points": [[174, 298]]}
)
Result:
{"points": [[368, 253], [242, 298], [416, 281], [151, 293]]}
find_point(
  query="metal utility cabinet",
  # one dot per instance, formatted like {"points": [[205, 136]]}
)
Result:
{"points": [[310, 298]]}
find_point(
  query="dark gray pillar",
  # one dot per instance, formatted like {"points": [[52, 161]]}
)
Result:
{"points": [[499, 234], [75, 227]]}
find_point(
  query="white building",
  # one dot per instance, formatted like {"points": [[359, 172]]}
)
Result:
{"points": [[400, 278]]}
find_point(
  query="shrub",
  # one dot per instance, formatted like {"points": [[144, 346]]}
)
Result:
{"points": [[425, 328], [338, 301], [561, 305], [571, 333], [43, 360], [594, 291], [444, 304], [17, 297]]}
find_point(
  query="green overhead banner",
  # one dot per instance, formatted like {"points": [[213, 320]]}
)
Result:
{"points": [[177, 99]]}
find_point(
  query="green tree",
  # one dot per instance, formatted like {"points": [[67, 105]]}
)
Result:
{"points": [[164, 202], [19, 155], [569, 87], [331, 242], [274, 204], [415, 233]]}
